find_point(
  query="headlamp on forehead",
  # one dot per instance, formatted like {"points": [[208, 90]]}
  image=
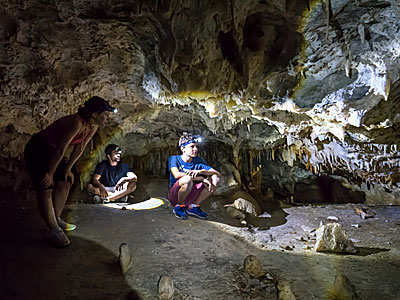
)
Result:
{"points": [[110, 148], [197, 139]]}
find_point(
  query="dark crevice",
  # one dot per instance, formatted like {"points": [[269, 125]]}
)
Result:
{"points": [[230, 50]]}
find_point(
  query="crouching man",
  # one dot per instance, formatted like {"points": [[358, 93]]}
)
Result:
{"points": [[191, 180], [112, 180]]}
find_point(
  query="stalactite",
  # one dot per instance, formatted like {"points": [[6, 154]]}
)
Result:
{"points": [[329, 14]]}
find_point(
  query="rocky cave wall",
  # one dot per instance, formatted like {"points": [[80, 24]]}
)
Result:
{"points": [[301, 97]]}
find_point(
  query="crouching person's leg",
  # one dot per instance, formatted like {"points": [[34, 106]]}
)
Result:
{"points": [[178, 196], [201, 192]]}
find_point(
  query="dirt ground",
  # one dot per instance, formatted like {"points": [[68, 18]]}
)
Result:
{"points": [[204, 258]]}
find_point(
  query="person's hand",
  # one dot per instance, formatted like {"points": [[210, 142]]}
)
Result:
{"points": [[120, 185], [69, 176], [47, 181], [194, 173], [208, 184], [103, 192]]}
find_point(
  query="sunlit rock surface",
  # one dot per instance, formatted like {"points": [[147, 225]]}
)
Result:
{"points": [[284, 92], [332, 238]]}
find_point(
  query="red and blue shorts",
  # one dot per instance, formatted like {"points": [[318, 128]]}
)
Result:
{"points": [[191, 198]]}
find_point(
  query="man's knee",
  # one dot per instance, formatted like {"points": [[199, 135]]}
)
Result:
{"points": [[90, 188], [131, 187], [186, 182]]}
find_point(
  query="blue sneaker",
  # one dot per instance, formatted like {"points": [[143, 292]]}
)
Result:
{"points": [[196, 211], [180, 212]]}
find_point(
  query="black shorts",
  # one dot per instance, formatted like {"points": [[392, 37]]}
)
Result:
{"points": [[37, 153]]}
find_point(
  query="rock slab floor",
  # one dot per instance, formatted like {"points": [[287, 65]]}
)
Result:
{"points": [[203, 258]]}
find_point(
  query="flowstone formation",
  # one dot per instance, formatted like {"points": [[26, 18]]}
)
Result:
{"points": [[301, 97]]}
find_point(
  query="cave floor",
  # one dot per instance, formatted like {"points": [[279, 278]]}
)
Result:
{"points": [[204, 258]]}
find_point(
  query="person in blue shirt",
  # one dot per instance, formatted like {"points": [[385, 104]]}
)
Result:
{"points": [[112, 180], [191, 179]]}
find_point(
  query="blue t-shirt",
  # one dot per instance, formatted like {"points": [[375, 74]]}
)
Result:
{"points": [[197, 163], [111, 174]]}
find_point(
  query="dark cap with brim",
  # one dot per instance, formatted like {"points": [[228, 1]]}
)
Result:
{"points": [[110, 148], [99, 104]]}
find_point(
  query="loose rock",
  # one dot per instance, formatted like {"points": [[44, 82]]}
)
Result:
{"points": [[235, 213], [244, 205], [332, 238], [253, 267], [166, 288], [362, 212]]}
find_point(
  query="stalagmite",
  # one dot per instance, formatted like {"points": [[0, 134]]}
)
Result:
{"points": [[347, 67], [125, 259], [361, 31], [344, 289], [328, 16], [166, 287], [253, 267]]}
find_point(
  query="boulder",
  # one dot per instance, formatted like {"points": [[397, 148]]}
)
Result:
{"points": [[332, 238], [245, 203], [235, 213]]}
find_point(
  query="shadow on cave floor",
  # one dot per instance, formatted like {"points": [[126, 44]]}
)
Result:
{"points": [[203, 258], [362, 251], [33, 269]]}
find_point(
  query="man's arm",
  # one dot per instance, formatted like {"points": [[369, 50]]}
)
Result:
{"points": [[215, 177], [212, 179], [196, 174], [175, 172], [130, 177], [96, 183]]}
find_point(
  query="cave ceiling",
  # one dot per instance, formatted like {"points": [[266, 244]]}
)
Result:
{"points": [[317, 79]]}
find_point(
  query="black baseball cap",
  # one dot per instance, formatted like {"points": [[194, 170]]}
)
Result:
{"points": [[110, 148], [98, 104]]}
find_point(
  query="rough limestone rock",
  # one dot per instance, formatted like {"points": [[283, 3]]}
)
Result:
{"points": [[332, 238], [261, 81], [285, 291], [244, 202], [235, 213], [124, 259], [245, 206], [166, 288], [343, 289], [253, 267]]}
